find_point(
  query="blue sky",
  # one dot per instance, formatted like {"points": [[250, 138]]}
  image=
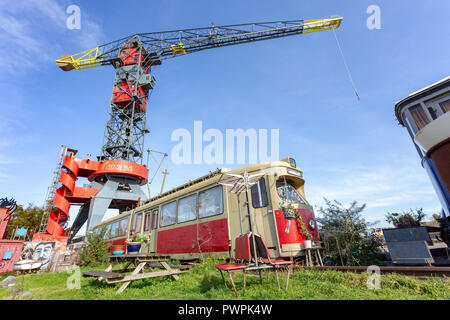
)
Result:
{"points": [[348, 149]]}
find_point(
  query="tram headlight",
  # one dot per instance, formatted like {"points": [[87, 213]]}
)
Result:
{"points": [[312, 225], [295, 173]]}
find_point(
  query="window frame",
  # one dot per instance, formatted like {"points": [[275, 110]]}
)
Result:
{"points": [[263, 204], [221, 201], [424, 110], [135, 222], [161, 220], [438, 102], [155, 226], [126, 229], [195, 208], [303, 200], [118, 227], [147, 222]]}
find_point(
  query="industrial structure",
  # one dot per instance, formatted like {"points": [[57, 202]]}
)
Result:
{"points": [[426, 115], [115, 178]]}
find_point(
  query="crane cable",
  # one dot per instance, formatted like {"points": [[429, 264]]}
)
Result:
{"points": [[159, 166], [346, 66]]}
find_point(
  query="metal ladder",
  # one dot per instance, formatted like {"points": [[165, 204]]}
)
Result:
{"points": [[51, 191]]}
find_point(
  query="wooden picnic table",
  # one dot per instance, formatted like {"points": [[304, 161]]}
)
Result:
{"points": [[141, 262]]}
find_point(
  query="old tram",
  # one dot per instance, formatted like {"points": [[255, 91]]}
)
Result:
{"points": [[203, 216]]}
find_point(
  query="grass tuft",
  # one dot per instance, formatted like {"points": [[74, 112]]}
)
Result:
{"points": [[204, 282]]}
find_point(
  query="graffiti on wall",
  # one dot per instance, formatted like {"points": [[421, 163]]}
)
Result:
{"points": [[42, 251], [38, 251]]}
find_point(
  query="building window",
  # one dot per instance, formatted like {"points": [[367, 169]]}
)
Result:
{"points": [[445, 106], [147, 221], [154, 219], [210, 202], [432, 112], [419, 116], [259, 194], [187, 208], [168, 214]]}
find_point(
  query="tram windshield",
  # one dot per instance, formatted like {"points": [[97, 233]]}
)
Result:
{"points": [[288, 193]]}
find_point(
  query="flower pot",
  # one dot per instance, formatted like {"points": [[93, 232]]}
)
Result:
{"points": [[308, 244], [117, 247], [133, 247]]}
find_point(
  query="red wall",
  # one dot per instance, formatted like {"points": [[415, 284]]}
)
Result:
{"points": [[3, 222], [10, 245], [212, 236]]}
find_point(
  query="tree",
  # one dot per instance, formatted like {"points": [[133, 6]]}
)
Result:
{"points": [[346, 236], [406, 219], [96, 250], [29, 217]]}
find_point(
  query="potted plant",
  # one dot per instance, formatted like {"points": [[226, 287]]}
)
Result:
{"points": [[135, 242], [288, 209], [304, 230]]}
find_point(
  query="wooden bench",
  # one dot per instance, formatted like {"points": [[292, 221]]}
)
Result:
{"points": [[102, 274], [141, 262]]}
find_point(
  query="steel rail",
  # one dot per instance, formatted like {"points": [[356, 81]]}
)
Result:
{"points": [[419, 272]]}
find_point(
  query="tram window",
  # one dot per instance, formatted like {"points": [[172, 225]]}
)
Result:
{"points": [[259, 194], [123, 225], [154, 219], [115, 229], [138, 223], [210, 202], [187, 208], [168, 214], [147, 221], [108, 231], [288, 193]]}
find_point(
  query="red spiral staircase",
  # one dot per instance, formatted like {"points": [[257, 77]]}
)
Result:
{"points": [[68, 177], [68, 170], [63, 193]]}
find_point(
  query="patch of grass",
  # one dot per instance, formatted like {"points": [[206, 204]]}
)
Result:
{"points": [[204, 282]]}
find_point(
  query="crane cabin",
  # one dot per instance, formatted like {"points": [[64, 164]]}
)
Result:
{"points": [[204, 217]]}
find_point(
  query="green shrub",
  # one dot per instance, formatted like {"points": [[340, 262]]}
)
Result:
{"points": [[345, 235], [96, 249]]}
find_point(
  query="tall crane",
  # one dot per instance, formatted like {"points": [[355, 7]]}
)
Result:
{"points": [[133, 58]]}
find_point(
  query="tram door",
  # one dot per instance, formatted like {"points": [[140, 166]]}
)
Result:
{"points": [[150, 230], [262, 214], [238, 217], [153, 230], [146, 247]]}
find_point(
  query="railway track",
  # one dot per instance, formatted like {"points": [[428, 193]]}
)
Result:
{"points": [[418, 272]]}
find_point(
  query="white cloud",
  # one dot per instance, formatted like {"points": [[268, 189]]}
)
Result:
{"points": [[28, 31]]}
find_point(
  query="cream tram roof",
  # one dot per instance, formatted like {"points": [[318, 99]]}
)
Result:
{"points": [[204, 181]]}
